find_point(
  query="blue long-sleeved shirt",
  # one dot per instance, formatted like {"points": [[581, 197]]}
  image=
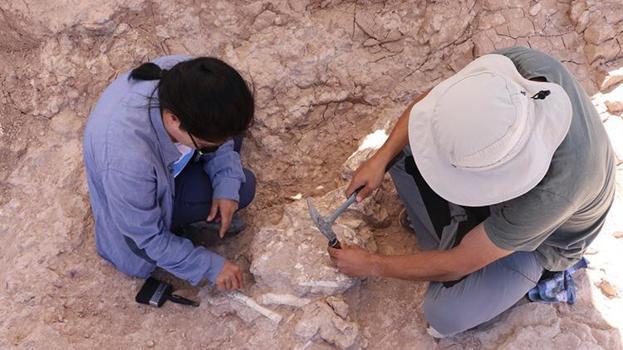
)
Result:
{"points": [[128, 156]]}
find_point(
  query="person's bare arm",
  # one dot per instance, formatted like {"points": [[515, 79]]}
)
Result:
{"points": [[370, 173], [473, 253]]}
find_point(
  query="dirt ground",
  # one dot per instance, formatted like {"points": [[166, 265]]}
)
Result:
{"points": [[325, 75]]}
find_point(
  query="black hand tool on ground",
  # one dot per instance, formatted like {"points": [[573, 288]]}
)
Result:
{"points": [[155, 293]]}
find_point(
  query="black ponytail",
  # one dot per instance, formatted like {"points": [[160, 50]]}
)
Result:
{"points": [[208, 96], [147, 71]]}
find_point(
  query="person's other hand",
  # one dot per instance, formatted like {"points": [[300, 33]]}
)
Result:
{"points": [[369, 176], [226, 208], [230, 277], [353, 260]]}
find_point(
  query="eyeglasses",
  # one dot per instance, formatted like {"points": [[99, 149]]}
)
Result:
{"points": [[205, 149]]}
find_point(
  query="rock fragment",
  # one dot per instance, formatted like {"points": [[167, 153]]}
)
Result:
{"points": [[283, 299], [607, 289], [611, 79], [338, 305], [320, 321], [614, 107]]}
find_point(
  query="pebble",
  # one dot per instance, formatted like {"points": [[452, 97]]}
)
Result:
{"points": [[614, 107], [608, 289]]}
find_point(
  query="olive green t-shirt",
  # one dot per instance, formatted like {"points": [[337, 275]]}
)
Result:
{"points": [[563, 214]]}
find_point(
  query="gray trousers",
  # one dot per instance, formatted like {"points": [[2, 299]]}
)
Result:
{"points": [[480, 296]]}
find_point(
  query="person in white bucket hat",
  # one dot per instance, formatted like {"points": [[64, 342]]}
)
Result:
{"points": [[506, 173]]}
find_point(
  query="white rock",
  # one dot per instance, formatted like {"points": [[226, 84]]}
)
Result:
{"points": [[319, 321], [614, 107], [292, 258], [611, 79], [338, 305], [283, 299], [607, 289]]}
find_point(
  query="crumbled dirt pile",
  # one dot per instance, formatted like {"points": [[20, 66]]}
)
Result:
{"points": [[329, 78]]}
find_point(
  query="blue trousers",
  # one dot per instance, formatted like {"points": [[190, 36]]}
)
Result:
{"points": [[483, 294], [193, 192]]}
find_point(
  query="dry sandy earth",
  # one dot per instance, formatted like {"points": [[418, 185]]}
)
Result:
{"points": [[326, 74]]}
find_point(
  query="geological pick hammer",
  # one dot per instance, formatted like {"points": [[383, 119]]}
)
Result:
{"points": [[325, 224]]}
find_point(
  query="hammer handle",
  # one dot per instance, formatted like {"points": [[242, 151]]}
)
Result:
{"points": [[352, 199]]}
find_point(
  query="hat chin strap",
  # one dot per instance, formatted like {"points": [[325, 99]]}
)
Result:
{"points": [[508, 146]]}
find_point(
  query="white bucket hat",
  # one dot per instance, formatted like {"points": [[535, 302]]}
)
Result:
{"points": [[480, 138]]}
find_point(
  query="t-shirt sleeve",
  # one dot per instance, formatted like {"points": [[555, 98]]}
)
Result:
{"points": [[532, 63], [524, 223]]}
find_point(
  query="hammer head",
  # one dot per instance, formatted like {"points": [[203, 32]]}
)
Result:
{"points": [[323, 224]]}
